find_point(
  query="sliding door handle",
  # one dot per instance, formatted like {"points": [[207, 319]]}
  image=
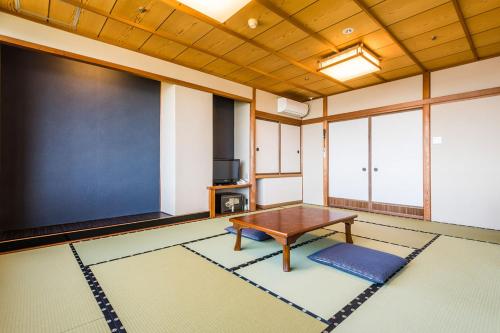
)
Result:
{"points": [[364, 169], [375, 169]]}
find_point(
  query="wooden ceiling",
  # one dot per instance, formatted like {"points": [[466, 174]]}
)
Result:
{"points": [[281, 54]]}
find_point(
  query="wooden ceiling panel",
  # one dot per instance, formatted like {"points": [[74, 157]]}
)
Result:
{"points": [[485, 21], [162, 48], [401, 72], [374, 40], [218, 42], [392, 64], [243, 75], [457, 58], [270, 63], [306, 79], [443, 50], [220, 67], [292, 6], [194, 59], [281, 35], [90, 24], [289, 72], [246, 54], [8, 5], [122, 34], [489, 50], [263, 81], [335, 89], [361, 23], [38, 8], [475, 7], [443, 35], [239, 22], [392, 11], [154, 15], [364, 81], [282, 87], [488, 37], [324, 13], [185, 27], [62, 13], [432, 19], [390, 51], [304, 48], [318, 85]]}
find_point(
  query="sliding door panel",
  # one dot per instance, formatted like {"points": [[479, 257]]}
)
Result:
{"points": [[397, 158], [348, 159], [290, 148], [267, 143]]}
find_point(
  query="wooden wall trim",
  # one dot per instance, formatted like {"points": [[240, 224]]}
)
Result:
{"points": [[426, 135], [397, 210], [401, 107], [277, 118], [253, 180], [279, 204], [348, 203], [153, 76], [326, 151], [277, 175]]}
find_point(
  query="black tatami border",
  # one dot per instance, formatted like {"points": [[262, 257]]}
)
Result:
{"points": [[114, 323]]}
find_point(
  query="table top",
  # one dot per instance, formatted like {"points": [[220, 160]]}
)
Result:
{"points": [[292, 221]]}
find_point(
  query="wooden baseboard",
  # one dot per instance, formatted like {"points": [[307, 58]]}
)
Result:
{"points": [[377, 207], [279, 204]]}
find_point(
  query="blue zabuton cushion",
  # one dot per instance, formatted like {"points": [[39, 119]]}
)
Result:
{"points": [[373, 265], [251, 233]]}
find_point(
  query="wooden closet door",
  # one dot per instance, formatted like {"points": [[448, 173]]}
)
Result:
{"points": [[290, 148], [397, 159], [348, 160], [267, 146]]}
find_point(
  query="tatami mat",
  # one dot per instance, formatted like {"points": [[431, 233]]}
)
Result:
{"points": [[320, 289], [410, 238], [452, 286], [174, 290], [434, 227], [220, 249], [97, 326], [44, 290], [103, 249]]}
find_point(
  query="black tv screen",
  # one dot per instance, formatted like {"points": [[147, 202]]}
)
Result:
{"points": [[226, 171]]}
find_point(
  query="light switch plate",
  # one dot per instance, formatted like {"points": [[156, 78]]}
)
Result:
{"points": [[437, 140]]}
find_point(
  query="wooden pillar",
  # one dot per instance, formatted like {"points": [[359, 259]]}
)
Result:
{"points": [[253, 181], [426, 111], [325, 153]]}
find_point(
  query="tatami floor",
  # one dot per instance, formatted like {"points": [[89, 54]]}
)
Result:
{"points": [[187, 278]]}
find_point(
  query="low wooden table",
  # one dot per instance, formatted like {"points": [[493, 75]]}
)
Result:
{"points": [[287, 225]]}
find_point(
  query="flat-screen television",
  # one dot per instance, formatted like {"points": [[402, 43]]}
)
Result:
{"points": [[226, 171]]}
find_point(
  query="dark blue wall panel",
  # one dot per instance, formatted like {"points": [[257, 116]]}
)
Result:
{"points": [[79, 142]]}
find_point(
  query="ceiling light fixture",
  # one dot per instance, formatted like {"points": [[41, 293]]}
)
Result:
{"points": [[253, 23], [217, 9], [353, 62], [348, 31]]}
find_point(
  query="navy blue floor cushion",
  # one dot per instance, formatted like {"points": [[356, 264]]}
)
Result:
{"points": [[251, 233], [372, 265]]}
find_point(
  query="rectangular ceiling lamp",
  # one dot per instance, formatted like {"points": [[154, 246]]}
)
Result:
{"points": [[221, 10], [346, 65]]}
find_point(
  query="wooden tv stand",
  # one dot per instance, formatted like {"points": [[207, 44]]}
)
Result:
{"points": [[215, 188]]}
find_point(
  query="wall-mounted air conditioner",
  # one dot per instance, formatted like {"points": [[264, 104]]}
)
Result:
{"points": [[292, 108]]}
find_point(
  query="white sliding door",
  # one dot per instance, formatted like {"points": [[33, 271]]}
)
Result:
{"points": [[397, 158], [290, 148], [267, 146], [312, 169], [348, 159]]}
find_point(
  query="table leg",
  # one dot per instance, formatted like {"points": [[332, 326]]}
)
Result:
{"points": [[348, 237], [286, 258], [237, 245]]}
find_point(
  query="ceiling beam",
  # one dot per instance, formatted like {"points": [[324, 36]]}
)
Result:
{"points": [[465, 28], [216, 24], [396, 41], [299, 25], [175, 39]]}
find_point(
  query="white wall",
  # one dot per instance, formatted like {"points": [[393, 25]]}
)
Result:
{"points": [[315, 108], [312, 163], [29, 31], [187, 118], [272, 191], [465, 176], [399, 91], [474, 76]]}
